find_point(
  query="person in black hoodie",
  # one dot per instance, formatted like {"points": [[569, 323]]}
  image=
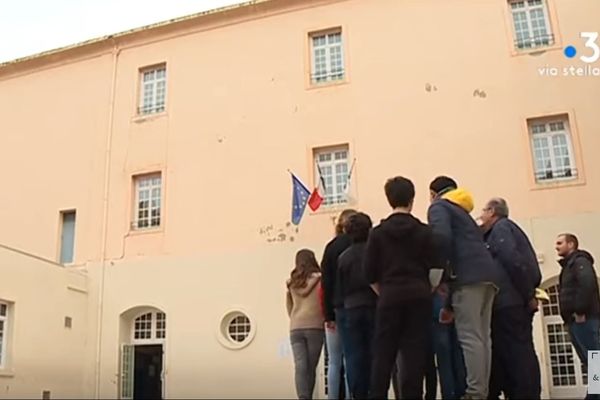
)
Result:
{"points": [[578, 296], [398, 257], [359, 302], [333, 306]]}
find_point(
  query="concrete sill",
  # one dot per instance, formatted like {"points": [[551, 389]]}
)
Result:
{"points": [[7, 373], [141, 118]]}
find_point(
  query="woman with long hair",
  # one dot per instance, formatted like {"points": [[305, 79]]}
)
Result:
{"points": [[306, 321]]}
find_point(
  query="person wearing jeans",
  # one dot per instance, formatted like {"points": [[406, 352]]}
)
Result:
{"points": [[359, 304], [306, 321], [448, 353], [578, 297], [333, 307], [473, 275]]}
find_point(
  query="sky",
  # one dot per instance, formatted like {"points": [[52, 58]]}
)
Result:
{"points": [[32, 26]]}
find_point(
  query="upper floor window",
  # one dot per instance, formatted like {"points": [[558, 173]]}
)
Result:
{"points": [[532, 28], [148, 201], [327, 57], [153, 89], [552, 149], [333, 170]]}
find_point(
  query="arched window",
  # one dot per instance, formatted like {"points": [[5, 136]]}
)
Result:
{"points": [[149, 327], [568, 376]]}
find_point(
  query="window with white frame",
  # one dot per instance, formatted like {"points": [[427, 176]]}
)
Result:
{"points": [[3, 332], [239, 328], [153, 89], [150, 326], [531, 24], [552, 149], [148, 201], [327, 57], [566, 370], [333, 173]]}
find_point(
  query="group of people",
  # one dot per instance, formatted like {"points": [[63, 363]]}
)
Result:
{"points": [[407, 302]]}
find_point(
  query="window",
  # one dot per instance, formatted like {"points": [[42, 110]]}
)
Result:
{"points": [[237, 330], [150, 326], [332, 170], [67, 237], [566, 370], [327, 57], [3, 332], [552, 149], [531, 24], [153, 88], [148, 201]]}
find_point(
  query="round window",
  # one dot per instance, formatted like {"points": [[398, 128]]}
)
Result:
{"points": [[236, 330]]}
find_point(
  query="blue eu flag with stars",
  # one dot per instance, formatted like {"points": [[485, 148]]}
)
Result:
{"points": [[300, 197]]}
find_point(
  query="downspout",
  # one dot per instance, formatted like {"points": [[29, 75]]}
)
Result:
{"points": [[105, 215]]}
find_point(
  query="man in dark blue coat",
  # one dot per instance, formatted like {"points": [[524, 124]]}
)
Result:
{"points": [[515, 367]]}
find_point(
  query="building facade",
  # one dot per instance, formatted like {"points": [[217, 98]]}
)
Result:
{"points": [[155, 259]]}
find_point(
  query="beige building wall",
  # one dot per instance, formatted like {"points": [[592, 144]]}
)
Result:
{"points": [[431, 88], [42, 353]]}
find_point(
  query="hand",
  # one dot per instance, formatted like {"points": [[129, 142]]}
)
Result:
{"points": [[330, 325], [446, 316], [579, 318], [534, 305]]}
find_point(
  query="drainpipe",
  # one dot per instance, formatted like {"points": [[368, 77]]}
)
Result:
{"points": [[105, 203]]}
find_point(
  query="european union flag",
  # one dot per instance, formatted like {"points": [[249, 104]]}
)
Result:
{"points": [[300, 196]]}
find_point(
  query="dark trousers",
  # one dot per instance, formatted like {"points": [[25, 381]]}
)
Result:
{"points": [[431, 372], [584, 337], [450, 361], [360, 328], [341, 324], [405, 328], [515, 366]]}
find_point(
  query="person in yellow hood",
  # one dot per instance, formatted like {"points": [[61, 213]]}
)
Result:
{"points": [[471, 277]]}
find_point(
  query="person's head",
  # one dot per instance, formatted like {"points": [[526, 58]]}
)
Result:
{"points": [[358, 227], [306, 264], [342, 220], [566, 243], [494, 210], [440, 185], [400, 193]]}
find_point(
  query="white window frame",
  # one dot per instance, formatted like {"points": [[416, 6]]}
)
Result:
{"points": [[551, 317], [531, 42], [156, 87], [330, 49], [4, 342], [336, 184], [137, 223], [548, 135], [153, 339]]}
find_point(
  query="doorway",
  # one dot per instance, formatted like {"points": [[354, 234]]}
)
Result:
{"points": [[147, 380]]}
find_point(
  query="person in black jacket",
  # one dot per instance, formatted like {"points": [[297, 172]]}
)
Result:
{"points": [[359, 302], [399, 254], [578, 296], [515, 366], [333, 307]]}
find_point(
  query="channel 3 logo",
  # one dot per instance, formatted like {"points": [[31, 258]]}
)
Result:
{"points": [[591, 43]]}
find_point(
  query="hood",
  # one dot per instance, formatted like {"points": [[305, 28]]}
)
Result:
{"points": [[576, 254], [311, 282], [402, 226], [460, 197]]}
